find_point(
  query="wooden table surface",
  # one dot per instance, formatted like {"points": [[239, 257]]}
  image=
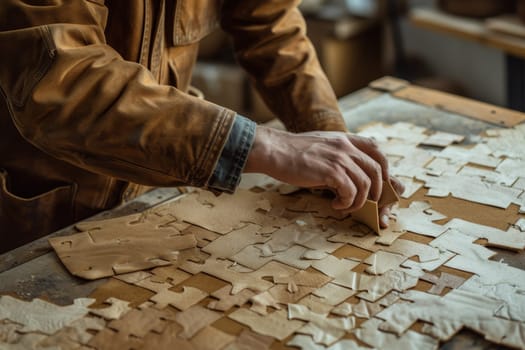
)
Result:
{"points": [[467, 28], [34, 270]]}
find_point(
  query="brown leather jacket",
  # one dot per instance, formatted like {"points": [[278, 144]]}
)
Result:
{"points": [[94, 99]]}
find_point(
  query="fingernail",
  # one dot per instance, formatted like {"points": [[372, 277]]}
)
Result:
{"points": [[384, 219]]}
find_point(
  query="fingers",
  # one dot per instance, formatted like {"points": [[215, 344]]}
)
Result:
{"points": [[398, 185], [344, 188], [369, 147], [384, 216], [373, 171]]}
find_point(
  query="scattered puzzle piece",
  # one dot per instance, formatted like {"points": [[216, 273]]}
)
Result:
{"points": [[182, 301], [275, 325], [41, 316]]}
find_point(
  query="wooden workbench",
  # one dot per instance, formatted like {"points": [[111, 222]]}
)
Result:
{"points": [[34, 270]]}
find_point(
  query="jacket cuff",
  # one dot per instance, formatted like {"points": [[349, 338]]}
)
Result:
{"points": [[227, 173]]}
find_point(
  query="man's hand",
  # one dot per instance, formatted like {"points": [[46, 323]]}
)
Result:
{"points": [[351, 166]]}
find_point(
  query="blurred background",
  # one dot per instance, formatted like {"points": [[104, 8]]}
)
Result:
{"points": [[473, 48]]}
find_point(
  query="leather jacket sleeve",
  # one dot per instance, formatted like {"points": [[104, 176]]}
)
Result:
{"points": [[75, 98], [271, 44]]}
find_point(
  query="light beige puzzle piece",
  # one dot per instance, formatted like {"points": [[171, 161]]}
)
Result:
{"points": [[256, 256], [204, 209], [322, 329], [304, 278], [194, 319], [116, 309], [378, 286], [365, 309], [275, 325], [227, 300], [210, 338], [122, 245], [477, 313], [471, 189], [444, 280], [9, 331], [75, 334], [221, 270], [139, 322], [442, 139], [41, 316], [260, 302], [510, 239], [479, 155], [182, 301], [283, 294], [234, 241], [169, 274], [249, 340], [410, 248], [306, 342], [410, 340], [332, 294], [338, 269], [417, 218], [381, 262], [455, 241]]}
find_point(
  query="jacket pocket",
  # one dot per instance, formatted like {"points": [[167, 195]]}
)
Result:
{"points": [[23, 219], [195, 19]]}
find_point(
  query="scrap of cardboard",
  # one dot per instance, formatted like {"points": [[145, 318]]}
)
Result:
{"points": [[116, 246], [369, 213]]}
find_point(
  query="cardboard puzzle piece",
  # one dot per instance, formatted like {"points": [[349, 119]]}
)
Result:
{"points": [[489, 272], [194, 320], [477, 313], [182, 301], [322, 329], [260, 303], [306, 342], [204, 209], [417, 218], [210, 338], [41, 316], [221, 269], [249, 340], [169, 274], [304, 278], [226, 300], [332, 294], [365, 309], [275, 325], [284, 294], [455, 241], [235, 241], [442, 139], [511, 239], [512, 296], [256, 256], [120, 247], [406, 132], [444, 280], [376, 287], [479, 155], [410, 248], [138, 323], [116, 309], [9, 331], [74, 335], [417, 269], [471, 189], [370, 334], [108, 339], [502, 142], [381, 262]]}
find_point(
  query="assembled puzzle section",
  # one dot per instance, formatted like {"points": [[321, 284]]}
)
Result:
{"points": [[261, 269]]}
